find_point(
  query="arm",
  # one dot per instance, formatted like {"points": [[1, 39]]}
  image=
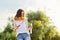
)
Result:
{"points": [[15, 26], [30, 28]]}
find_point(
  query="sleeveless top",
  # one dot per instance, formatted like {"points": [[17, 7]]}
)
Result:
{"points": [[22, 28]]}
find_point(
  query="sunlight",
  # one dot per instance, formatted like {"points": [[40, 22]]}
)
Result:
{"points": [[50, 7]]}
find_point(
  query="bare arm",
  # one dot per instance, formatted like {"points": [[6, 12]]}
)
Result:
{"points": [[15, 27], [29, 28]]}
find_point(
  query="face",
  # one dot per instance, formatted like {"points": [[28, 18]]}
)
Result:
{"points": [[22, 14]]}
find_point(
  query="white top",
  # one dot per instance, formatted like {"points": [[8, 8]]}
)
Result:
{"points": [[22, 28]]}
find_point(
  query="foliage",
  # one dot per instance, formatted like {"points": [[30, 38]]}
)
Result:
{"points": [[41, 28]]}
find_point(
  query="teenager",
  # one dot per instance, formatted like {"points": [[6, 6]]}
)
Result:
{"points": [[21, 26]]}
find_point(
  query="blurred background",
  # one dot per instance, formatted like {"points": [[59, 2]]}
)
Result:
{"points": [[44, 14]]}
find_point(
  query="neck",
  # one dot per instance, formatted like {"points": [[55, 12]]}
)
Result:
{"points": [[22, 18]]}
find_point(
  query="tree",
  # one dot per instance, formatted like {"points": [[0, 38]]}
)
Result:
{"points": [[40, 29], [8, 28], [8, 31]]}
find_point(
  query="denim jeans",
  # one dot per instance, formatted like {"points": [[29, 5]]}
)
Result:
{"points": [[23, 36]]}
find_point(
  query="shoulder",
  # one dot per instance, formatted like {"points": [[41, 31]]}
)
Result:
{"points": [[15, 21], [26, 19]]}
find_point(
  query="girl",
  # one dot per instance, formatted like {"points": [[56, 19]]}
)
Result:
{"points": [[21, 26]]}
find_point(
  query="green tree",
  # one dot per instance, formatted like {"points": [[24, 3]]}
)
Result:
{"points": [[8, 33], [8, 28], [40, 29]]}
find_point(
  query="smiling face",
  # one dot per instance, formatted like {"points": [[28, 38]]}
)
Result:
{"points": [[19, 15]]}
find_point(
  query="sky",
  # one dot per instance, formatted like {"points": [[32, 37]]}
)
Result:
{"points": [[50, 7]]}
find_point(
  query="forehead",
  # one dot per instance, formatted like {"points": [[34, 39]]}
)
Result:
{"points": [[22, 11]]}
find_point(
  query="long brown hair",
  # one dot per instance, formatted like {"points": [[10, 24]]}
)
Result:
{"points": [[18, 14]]}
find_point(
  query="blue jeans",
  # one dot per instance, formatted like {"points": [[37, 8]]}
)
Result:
{"points": [[23, 36]]}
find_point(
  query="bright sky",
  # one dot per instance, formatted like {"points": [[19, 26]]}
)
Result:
{"points": [[50, 7]]}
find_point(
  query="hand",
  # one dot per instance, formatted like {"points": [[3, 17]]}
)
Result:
{"points": [[30, 32], [14, 30]]}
